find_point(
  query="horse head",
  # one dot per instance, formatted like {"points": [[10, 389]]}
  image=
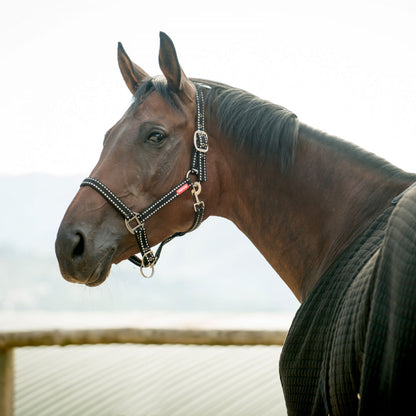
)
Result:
{"points": [[145, 154]]}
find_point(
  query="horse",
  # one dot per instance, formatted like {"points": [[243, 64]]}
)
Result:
{"points": [[335, 222]]}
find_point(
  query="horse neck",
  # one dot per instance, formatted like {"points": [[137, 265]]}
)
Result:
{"points": [[301, 221]]}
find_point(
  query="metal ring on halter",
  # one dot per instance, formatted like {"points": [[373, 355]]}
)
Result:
{"points": [[151, 264], [152, 267], [191, 172]]}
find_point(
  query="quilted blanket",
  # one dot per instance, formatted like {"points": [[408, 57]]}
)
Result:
{"points": [[351, 349]]}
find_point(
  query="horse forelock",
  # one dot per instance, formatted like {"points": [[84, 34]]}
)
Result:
{"points": [[158, 84]]}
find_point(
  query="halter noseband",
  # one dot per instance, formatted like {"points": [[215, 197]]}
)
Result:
{"points": [[135, 221]]}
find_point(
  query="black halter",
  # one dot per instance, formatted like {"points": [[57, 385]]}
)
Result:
{"points": [[135, 221]]}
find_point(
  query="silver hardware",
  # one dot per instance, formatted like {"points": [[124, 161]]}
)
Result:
{"points": [[151, 264], [133, 228], [152, 271], [198, 204], [191, 172], [203, 148], [196, 190]]}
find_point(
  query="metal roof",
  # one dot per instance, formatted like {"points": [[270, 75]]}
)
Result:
{"points": [[148, 380]]}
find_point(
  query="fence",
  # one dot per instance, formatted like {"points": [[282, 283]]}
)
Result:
{"points": [[11, 340]]}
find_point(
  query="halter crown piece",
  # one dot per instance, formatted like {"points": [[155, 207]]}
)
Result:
{"points": [[135, 221]]}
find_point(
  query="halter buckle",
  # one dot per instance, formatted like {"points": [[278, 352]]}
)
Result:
{"points": [[133, 227], [201, 141]]}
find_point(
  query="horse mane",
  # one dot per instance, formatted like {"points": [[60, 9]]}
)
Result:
{"points": [[267, 131], [270, 132]]}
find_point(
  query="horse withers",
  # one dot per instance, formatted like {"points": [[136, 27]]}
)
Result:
{"points": [[335, 222]]}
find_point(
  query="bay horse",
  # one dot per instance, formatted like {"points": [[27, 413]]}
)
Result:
{"points": [[335, 222]]}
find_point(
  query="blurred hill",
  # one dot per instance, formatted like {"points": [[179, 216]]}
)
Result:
{"points": [[236, 278]]}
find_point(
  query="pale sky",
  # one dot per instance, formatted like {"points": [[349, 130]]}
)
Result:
{"points": [[347, 68]]}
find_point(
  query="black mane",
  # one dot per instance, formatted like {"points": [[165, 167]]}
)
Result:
{"points": [[265, 130]]}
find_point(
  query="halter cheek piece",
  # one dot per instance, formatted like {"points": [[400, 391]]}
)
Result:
{"points": [[135, 221]]}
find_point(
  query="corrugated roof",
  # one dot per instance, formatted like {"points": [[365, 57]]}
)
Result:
{"points": [[148, 380]]}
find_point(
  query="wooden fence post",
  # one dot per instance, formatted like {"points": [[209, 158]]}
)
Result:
{"points": [[6, 381]]}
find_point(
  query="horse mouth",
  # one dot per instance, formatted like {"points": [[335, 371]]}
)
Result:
{"points": [[101, 271]]}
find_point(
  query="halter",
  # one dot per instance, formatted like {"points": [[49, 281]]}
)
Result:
{"points": [[135, 221]]}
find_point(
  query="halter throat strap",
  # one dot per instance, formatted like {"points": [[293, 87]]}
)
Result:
{"points": [[135, 221]]}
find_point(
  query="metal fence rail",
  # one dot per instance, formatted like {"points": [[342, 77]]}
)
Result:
{"points": [[11, 340]]}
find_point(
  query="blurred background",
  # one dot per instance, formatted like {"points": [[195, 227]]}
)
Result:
{"points": [[345, 67]]}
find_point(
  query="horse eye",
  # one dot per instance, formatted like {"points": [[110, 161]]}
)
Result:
{"points": [[156, 137]]}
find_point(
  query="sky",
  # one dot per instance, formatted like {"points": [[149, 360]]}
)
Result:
{"points": [[346, 68]]}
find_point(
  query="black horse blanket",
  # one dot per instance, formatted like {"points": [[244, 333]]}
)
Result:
{"points": [[351, 348]]}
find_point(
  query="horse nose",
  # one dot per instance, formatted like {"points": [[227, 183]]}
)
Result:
{"points": [[77, 246], [70, 247]]}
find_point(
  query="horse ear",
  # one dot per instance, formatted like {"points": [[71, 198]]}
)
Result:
{"points": [[133, 75], [169, 64]]}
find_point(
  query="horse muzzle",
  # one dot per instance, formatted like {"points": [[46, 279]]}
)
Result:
{"points": [[82, 259]]}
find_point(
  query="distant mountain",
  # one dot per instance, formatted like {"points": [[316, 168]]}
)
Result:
{"points": [[235, 278]]}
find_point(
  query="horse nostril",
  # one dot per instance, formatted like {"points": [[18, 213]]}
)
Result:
{"points": [[79, 246]]}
